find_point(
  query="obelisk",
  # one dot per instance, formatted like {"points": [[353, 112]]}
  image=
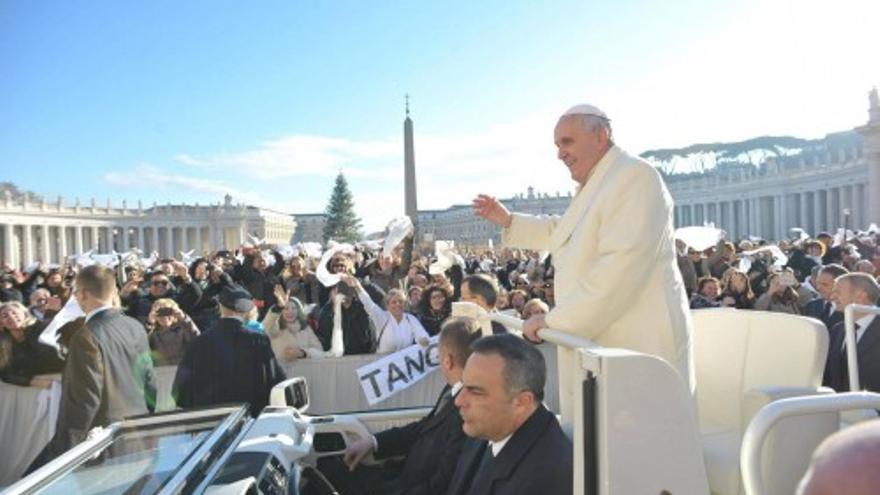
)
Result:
{"points": [[409, 171]]}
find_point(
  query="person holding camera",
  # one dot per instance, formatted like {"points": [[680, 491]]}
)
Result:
{"points": [[781, 295], [170, 332]]}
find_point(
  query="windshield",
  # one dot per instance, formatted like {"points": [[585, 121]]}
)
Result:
{"points": [[139, 460]]}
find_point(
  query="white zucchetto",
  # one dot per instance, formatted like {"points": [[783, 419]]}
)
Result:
{"points": [[585, 109]]}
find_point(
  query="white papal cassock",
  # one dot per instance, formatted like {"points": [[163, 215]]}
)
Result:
{"points": [[617, 282]]}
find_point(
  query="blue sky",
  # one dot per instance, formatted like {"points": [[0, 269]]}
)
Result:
{"points": [[185, 101]]}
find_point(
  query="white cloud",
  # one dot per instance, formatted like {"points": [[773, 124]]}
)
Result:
{"points": [[294, 173]]}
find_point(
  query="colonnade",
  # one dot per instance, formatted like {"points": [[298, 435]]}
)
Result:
{"points": [[26, 243], [772, 216]]}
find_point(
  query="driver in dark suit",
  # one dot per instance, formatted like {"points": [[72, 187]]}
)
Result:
{"points": [[431, 446], [516, 444]]}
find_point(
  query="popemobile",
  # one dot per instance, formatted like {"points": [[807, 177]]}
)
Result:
{"points": [[636, 428]]}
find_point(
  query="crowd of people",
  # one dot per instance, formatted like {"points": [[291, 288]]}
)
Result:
{"points": [[388, 302]]}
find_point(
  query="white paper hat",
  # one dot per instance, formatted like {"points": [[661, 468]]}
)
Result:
{"points": [[585, 109]]}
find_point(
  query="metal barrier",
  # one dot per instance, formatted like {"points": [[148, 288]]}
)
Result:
{"points": [[852, 362], [769, 415]]}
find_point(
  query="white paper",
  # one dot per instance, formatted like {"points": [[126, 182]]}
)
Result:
{"points": [[398, 229], [700, 238]]}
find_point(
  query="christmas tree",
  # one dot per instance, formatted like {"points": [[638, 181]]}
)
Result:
{"points": [[343, 225]]}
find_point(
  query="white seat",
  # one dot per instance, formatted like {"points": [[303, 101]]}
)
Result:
{"points": [[743, 361]]}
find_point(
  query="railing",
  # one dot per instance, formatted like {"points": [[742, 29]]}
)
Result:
{"points": [[851, 343], [769, 415]]}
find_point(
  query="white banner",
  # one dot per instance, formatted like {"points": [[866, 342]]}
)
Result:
{"points": [[389, 375]]}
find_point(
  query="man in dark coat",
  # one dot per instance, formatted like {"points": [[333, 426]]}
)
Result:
{"points": [[516, 444], [822, 308], [108, 374], [431, 446], [228, 363], [858, 288]]}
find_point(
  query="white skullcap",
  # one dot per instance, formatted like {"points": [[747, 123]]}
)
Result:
{"points": [[585, 109]]}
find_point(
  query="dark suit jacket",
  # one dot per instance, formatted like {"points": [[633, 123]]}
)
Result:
{"points": [[108, 376], [868, 352], [536, 460], [431, 446], [226, 364], [816, 309]]}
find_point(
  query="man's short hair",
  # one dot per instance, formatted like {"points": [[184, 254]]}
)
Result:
{"points": [[864, 283], [524, 366], [98, 280], [834, 270], [457, 335], [483, 286]]}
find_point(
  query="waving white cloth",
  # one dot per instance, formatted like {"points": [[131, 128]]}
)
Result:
{"points": [[187, 257], [398, 229], [445, 257], [746, 257], [323, 274], [337, 347], [308, 249], [700, 238], [108, 260], [68, 313]]}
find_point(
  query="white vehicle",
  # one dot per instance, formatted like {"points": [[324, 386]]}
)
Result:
{"points": [[759, 413]]}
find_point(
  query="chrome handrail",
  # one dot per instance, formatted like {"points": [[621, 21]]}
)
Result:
{"points": [[769, 415], [849, 324]]}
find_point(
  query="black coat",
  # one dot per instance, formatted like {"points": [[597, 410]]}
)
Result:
{"points": [[868, 353], [108, 376], [536, 460], [431, 446], [30, 357], [357, 334], [817, 309], [227, 364]]}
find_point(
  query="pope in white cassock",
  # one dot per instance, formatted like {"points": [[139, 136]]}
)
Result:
{"points": [[616, 282]]}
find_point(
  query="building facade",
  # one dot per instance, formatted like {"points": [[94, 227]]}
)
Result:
{"points": [[310, 227], [48, 232], [458, 222], [819, 190]]}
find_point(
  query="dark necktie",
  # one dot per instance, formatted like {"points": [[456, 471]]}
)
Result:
{"points": [[444, 399], [481, 475]]}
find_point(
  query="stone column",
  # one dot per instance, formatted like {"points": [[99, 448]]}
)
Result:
{"points": [[818, 213], [28, 245], [781, 216], [199, 248], [846, 202], [169, 241], [62, 246], [758, 226], [8, 243], [804, 212], [46, 247], [142, 243], [184, 238], [860, 207], [123, 244], [78, 239], [830, 211], [95, 245], [155, 246]]}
